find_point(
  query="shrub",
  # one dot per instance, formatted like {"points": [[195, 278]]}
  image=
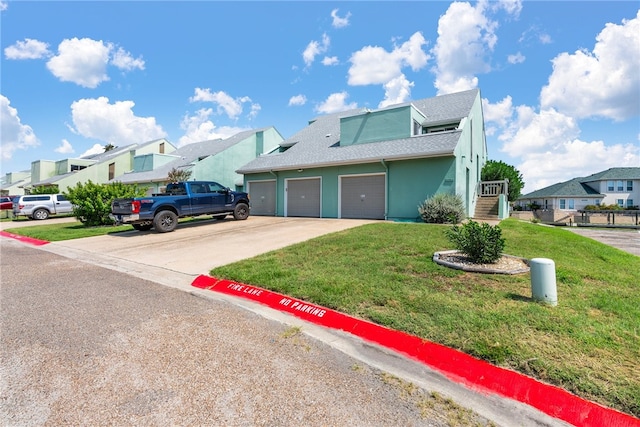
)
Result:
{"points": [[442, 209], [92, 202], [482, 243]]}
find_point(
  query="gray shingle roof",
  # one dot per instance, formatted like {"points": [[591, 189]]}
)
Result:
{"points": [[578, 187], [613, 174], [186, 156], [317, 145], [571, 188]]}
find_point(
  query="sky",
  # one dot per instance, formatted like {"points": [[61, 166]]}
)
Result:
{"points": [[559, 80]]}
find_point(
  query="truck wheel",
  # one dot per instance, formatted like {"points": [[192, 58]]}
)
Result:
{"points": [[165, 221], [241, 211], [142, 227], [40, 214]]}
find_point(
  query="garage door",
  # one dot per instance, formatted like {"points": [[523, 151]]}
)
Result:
{"points": [[362, 197], [263, 197], [303, 197]]}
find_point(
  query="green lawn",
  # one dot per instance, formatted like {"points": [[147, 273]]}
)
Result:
{"points": [[589, 344]]}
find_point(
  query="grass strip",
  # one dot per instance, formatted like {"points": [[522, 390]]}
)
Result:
{"points": [[589, 344]]}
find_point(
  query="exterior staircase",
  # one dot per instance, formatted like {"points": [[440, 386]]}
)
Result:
{"points": [[486, 208]]}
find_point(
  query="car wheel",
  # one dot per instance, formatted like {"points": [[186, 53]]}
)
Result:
{"points": [[142, 227], [40, 214], [165, 221], [241, 211]]}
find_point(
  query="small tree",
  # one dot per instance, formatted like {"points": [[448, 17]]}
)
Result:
{"points": [[482, 243], [178, 175], [92, 202], [442, 208], [497, 171]]}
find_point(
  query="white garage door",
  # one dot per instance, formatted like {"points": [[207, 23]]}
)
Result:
{"points": [[263, 197], [303, 197], [362, 197]]}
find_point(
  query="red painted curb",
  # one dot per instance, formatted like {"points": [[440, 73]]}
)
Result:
{"points": [[455, 365], [24, 239]]}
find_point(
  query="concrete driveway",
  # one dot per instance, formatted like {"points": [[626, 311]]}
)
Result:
{"points": [[195, 248]]}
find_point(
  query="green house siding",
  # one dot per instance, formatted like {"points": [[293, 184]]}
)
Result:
{"points": [[410, 182], [376, 126], [222, 166]]}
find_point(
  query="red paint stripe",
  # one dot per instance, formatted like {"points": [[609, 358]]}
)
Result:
{"points": [[25, 239], [455, 365]]}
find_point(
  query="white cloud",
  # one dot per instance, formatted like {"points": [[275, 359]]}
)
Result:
{"points": [[335, 103], [27, 49], [531, 131], [517, 58], [3, 6], [499, 113], [396, 91], [573, 159], [200, 128], [339, 22], [297, 100], [64, 148], [330, 60], [15, 135], [374, 65], [228, 105], [465, 37], [123, 60], [315, 48], [84, 61], [601, 83], [95, 149], [113, 123]]}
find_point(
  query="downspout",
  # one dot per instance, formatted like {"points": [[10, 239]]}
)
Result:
{"points": [[386, 189], [273, 173]]}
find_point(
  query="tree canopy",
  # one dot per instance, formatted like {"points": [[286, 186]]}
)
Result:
{"points": [[178, 175], [499, 170]]}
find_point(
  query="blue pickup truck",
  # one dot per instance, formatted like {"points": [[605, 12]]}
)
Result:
{"points": [[180, 199]]}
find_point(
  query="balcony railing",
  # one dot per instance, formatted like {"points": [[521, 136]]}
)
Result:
{"points": [[493, 188]]}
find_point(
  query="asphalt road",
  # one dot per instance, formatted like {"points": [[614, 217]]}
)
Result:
{"points": [[90, 337]]}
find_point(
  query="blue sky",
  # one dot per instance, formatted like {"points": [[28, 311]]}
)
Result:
{"points": [[560, 81]]}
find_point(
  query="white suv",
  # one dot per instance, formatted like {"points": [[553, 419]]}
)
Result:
{"points": [[41, 206]]}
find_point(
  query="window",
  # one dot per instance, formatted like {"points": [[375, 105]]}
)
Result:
{"points": [[161, 148], [629, 185], [562, 204], [629, 203], [112, 170], [620, 186], [621, 203], [571, 205], [610, 185]]}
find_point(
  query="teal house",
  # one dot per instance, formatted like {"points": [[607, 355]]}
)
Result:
{"points": [[213, 160], [374, 164]]}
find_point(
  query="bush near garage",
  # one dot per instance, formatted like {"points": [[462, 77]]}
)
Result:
{"points": [[483, 244], [92, 202], [442, 209]]}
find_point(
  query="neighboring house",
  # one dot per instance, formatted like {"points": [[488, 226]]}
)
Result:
{"points": [[376, 164], [13, 183], [98, 168], [615, 186], [215, 160]]}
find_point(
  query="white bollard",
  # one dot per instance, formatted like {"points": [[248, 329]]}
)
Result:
{"points": [[543, 280]]}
